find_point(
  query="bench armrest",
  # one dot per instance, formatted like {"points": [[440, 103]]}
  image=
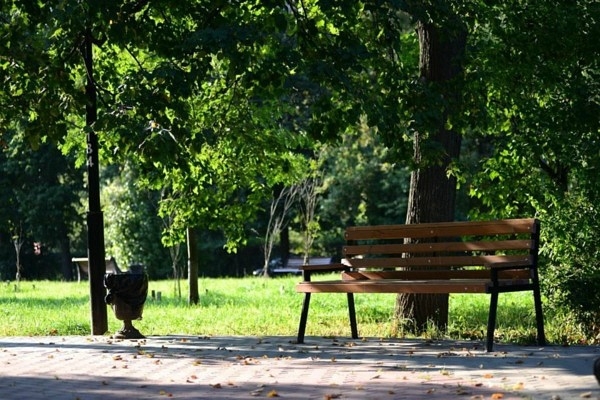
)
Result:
{"points": [[325, 267]]}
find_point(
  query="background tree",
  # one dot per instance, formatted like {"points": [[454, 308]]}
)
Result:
{"points": [[193, 266], [308, 198], [132, 226], [41, 195], [283, 200]]}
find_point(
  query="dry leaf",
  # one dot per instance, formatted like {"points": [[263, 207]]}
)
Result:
{"points": [[257, 392], [462, 392], [519, 386], [216, 386], [273, 393], [497, 396], [586, 395], [333, 396], [488, 376]]}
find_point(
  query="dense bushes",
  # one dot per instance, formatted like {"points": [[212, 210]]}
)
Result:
{"points": [[571, 262]]}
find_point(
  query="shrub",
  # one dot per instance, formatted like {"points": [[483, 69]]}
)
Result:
{"points": [[571, 261]]}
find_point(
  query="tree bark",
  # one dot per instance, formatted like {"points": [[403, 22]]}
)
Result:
{"points": [[65, 258], [192, 248], [432, 193]]}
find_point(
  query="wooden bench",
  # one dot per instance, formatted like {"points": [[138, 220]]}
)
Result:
{"points": [[82, 264], [449, 257]]}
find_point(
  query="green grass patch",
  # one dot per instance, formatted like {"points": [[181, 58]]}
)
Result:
{"points": [[258, 307]]}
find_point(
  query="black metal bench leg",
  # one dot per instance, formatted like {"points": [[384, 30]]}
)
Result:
{"points": [[539, 317], [492, 321], [303, 318], [352, 312]]}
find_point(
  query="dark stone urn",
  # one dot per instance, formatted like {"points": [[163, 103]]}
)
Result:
{"points": [[127, 294]]}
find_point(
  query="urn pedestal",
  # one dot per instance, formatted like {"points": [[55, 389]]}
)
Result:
{"points": [[127, 294]]}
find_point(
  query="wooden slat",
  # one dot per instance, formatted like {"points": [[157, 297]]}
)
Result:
{"points": [[434, 274], [400, 248], [442, 229], [435, 262], [393, 286]]}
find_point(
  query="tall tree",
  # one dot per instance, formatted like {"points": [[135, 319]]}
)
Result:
{"points": [[432, 195]]}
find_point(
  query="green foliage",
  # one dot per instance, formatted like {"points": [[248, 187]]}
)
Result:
{"points": [[40, 191], [541, 152], [571, 276], [132, 228], [363, 184]]}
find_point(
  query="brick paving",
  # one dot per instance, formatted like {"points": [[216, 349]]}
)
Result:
{"points": [[197, 367]]}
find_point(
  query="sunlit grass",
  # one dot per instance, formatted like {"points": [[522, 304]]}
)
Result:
{"points": [[256, 307]]}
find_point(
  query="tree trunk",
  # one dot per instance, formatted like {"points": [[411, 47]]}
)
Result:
{"points": [[65, 258], [192, 247], [284, 244], [432, 194]]}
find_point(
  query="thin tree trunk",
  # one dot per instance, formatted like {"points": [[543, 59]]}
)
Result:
{"points": [[192, 247], [284, 244], [65, 259], [432, 194]]}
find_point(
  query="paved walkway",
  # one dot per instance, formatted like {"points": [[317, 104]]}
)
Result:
{"points": [[191, 367]]}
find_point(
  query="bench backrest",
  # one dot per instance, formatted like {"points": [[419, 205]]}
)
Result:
{"points": [[436, 249]]}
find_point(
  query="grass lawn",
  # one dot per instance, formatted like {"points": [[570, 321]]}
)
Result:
{"points": [[256, 307]]}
